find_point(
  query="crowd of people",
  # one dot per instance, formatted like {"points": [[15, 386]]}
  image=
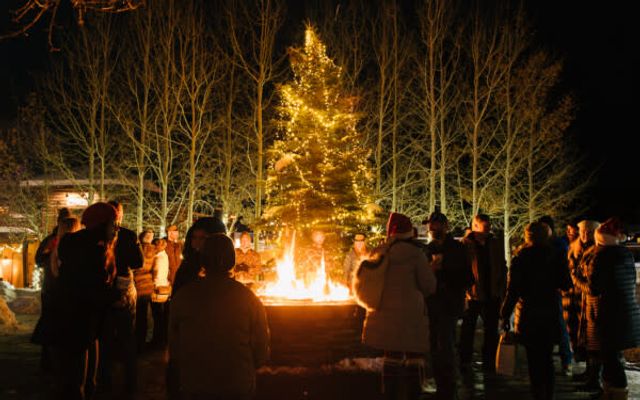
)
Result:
{"points": [[103, 283]]}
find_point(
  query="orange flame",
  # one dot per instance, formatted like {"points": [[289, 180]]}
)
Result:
{"points": [[288, 287]]}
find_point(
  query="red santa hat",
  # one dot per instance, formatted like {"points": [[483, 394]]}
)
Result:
{"points": [[98, 214], [399, 225], [610, 232]]}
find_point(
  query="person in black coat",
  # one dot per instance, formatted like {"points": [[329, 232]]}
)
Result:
{"points": [[189, 271], [47, 291], [452, 267], [614, 317], [538, 273], [118, 334], [87, 274]]}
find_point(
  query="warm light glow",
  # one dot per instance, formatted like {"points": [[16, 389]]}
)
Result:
{"points": [[288, 286]]}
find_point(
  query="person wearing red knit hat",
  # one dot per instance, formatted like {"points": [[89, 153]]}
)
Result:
{"points": [[87, 273], [399, 324], [613, 315]]}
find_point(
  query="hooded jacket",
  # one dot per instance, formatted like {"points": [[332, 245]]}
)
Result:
{"points": [[401, 323]]}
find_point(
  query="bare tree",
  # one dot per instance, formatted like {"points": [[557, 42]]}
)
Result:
{"points": [[78, 96], [252, 31]]}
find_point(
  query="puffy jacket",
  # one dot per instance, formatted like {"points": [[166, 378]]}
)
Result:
{"points": [[615, 317], [401, 321], [143, 276], [218, 337]]}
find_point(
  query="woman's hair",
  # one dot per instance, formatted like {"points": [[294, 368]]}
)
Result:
{"points": [[144, 233], [160, 244], [68, 225]]}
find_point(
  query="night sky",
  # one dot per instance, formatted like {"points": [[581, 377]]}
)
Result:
{"points": [[599, 42]]}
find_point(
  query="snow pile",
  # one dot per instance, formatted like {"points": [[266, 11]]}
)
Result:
{"points": [[352, 365], [26, 305], [8, 322], [7, 291]]}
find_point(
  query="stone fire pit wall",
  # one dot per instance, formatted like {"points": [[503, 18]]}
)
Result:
{"points": [[313, 335]]}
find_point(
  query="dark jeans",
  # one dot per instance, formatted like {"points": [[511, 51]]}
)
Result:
{"points": [[160, 323], [401, 382], [541, 373], [142, 312], [566, 355], [119, 341], [76, 372], [613, 373], [442, 335], [489, 311], [594, 369]]}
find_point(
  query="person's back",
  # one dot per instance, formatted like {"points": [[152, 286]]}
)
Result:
{"points": [[538, 272], [400, 322], [218, 334], [219, 347]]}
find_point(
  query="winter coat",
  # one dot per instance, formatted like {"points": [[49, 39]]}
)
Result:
{"points": [[43, 260], [587, 339], [537, 275], [351, 263], [87, 290], [400, 323], [143, 276], [160, 269], [454, 277], [498, 268], [218, 337], [572, 298], [248, 265], [615, 315], [174, 251]]}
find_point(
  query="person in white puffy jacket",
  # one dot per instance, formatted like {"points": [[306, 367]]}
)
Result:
{"points": [[161, 292]]}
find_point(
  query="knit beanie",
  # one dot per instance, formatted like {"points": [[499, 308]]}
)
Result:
{"points": [[98, 214], [218, 253], [399, 225]]}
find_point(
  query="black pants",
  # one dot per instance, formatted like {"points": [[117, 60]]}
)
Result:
{"points": [[160, 323], [594, 369], [76, 372], [613, 373], [142, 312], [119, 341], [541, 372], [489, 311], [442, 335], [401, 382]]}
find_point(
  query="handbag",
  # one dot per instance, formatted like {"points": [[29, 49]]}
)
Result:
{"points": [[368, 282], [507, 355]]}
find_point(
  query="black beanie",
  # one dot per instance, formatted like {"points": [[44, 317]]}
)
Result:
{"points": [[218, 253]]}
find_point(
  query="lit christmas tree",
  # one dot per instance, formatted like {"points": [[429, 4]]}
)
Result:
{"points": [[319, 175]]}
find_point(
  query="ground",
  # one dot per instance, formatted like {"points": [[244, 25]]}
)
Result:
{"points": [[20, 378]]}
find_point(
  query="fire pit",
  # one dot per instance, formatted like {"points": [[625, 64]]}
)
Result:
{"points": [[312, 323]]}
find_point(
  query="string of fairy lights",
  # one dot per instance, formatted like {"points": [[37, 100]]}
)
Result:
{"points": [[324, 178]]}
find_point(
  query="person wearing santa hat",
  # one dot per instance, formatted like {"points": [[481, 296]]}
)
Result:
{"points": [[613, 315], [399, 325], [87, 274], [486, 252]]}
